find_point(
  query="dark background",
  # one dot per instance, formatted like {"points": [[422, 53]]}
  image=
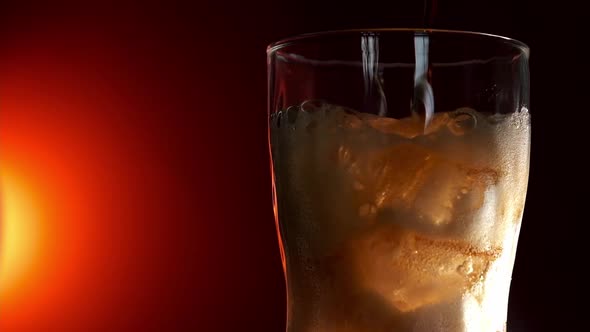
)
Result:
{"points": [[143, 126]]}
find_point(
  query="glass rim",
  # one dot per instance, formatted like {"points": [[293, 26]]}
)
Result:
{"points": [[285, 42]]}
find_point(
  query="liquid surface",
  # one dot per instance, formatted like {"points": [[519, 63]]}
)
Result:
{"points": [[388, 226]]}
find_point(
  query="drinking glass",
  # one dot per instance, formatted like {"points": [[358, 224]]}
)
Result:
{"points": [[400, 162]]}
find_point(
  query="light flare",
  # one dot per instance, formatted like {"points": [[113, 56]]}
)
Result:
{"points": [[20, 230]]}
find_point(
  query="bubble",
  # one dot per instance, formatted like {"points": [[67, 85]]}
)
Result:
{"points": [[313, 105], [278, 117], [466, 268], [291, 114], [462, 121], [521, 118]]}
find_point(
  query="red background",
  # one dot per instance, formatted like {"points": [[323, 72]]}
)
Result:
{"points": [[137, 134], [148, 153]]}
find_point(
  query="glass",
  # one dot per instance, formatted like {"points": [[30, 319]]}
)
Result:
{"points": [[400, 162]]}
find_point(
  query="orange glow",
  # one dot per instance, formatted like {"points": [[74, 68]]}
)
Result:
{"points": [[99, 169], [21, 221]]}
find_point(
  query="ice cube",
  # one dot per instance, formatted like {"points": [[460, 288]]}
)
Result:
{"points": [[412, 270], [383, 175], [410, 180]]}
